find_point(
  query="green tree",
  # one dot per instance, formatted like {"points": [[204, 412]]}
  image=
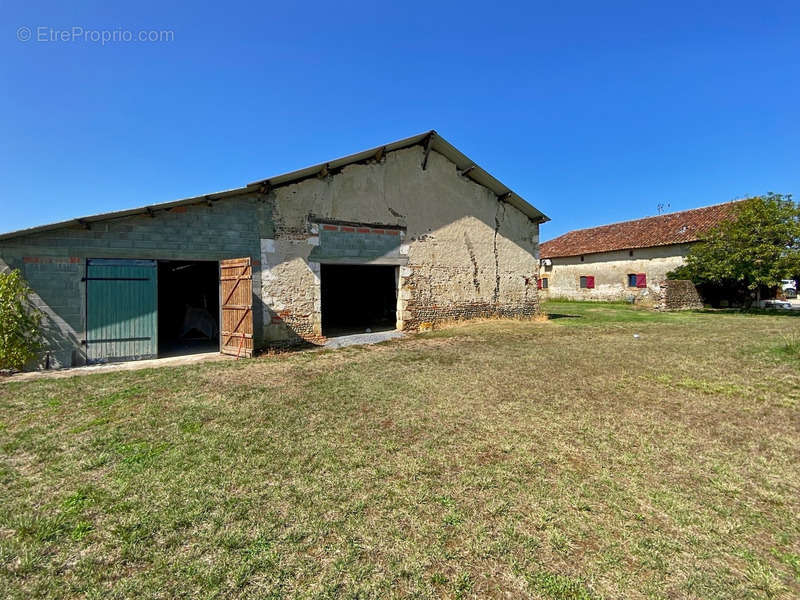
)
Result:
{"points": [[20, 322], [757, 247]]}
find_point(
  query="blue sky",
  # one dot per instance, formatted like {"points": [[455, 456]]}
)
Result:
{"points": [[594, 112]]}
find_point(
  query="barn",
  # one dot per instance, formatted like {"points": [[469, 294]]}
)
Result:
{"points": [[628, 261], [402, 235]]}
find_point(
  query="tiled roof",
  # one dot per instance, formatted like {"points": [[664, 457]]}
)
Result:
{"points": [[663, 230]]}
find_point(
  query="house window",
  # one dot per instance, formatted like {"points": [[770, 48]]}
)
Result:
{"points": [[630, 252], [587, 282], [638, 280], [543, 283], [581, 257]]}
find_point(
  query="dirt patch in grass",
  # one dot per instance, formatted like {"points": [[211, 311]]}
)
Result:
{"points": [[565, 459]]}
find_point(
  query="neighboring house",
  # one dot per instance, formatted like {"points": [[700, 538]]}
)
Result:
{"points": [[624, 261], [398, 236]]}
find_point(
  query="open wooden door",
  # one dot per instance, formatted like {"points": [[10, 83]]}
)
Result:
{"points": [[236, 301]]}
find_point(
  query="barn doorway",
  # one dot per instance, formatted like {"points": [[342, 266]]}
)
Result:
{"points": [[188, 307], [358, 297]]}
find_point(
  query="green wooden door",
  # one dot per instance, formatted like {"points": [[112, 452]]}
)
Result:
{"points": [[121, 310]]}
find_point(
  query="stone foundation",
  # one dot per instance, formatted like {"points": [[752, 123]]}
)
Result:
{"points": [[424, 316]]}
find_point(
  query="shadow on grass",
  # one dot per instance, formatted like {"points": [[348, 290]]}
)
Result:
{"points": [[553, 316], [289, 348]]}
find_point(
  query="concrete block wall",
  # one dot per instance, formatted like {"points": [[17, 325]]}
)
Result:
{"points": [[53, 262], [356, 244]]}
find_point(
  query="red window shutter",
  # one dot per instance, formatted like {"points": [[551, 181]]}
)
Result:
{"points": [[590, 281], [641, 280], [539, 283]]}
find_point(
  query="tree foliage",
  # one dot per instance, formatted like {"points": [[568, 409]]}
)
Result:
{"points": [[756, 248], [20, 323]]}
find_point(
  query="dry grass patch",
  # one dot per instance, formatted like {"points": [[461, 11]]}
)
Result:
{"points": [[494, 459]]}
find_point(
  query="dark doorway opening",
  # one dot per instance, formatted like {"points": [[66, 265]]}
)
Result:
{"points": [[358, 297], [188, 307]]}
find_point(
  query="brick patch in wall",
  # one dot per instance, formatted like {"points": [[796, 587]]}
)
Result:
{"points": [[46, 260], [350, 229]]}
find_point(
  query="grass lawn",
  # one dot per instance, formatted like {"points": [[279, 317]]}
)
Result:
{"points": [[498, 459]]}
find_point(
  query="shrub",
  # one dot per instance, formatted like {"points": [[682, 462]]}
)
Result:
{"points": [[20, 322]]}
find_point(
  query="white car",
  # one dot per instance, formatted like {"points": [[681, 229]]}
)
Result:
{"points": [[779, 304]]}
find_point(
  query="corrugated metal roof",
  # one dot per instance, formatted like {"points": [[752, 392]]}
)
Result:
{"points": [[662, 230], [434, 140]]}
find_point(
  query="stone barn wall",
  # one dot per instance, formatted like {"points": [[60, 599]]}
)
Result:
{"points": [[678, 294], [459, 251], [611, 270]]}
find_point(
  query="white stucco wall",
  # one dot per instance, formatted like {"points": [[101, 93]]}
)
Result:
{"points": [[610, 270]]}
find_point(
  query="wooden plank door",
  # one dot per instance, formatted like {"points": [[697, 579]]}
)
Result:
{"points": [[236, 302], [121, 310]]}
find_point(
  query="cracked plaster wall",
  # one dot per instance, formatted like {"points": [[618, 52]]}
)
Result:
{"points": [[461, 253]]}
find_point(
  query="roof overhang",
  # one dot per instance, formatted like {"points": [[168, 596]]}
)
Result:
{"points": [[466, 167], [544, 254], [142, 210], [430, 140]]}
